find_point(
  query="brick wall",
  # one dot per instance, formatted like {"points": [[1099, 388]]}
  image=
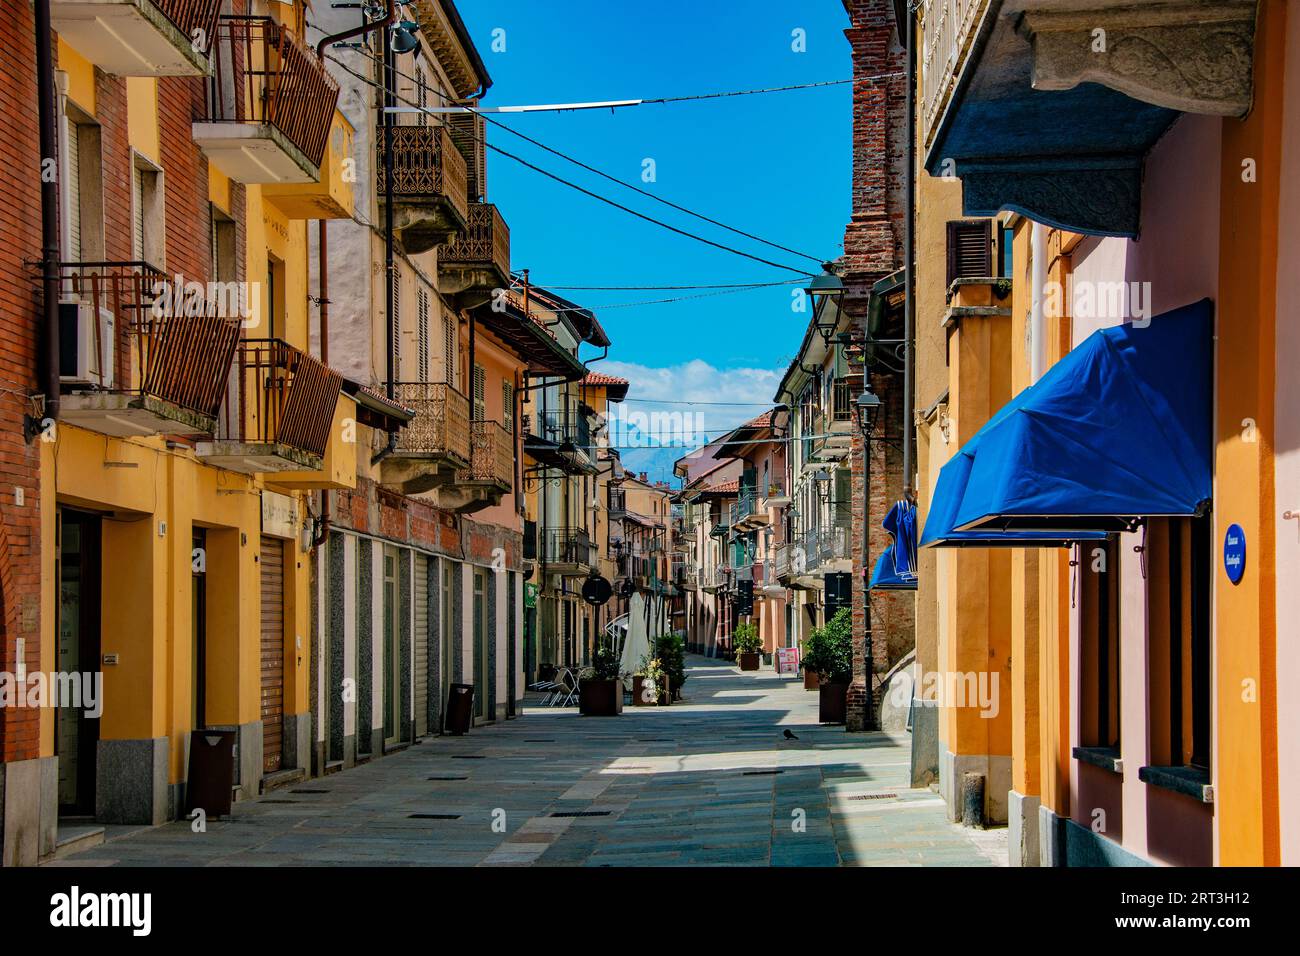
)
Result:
{"points": [[20, 244], [873, 249]]}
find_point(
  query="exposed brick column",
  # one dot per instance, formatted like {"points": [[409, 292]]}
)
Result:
{"points": [[872, 250]]}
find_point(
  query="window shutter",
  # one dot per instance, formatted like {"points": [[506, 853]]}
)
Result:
{"points": [[422, 95], [137, 231], [74, 193], [449, 348], [508, 406], [422, 300], [479, 404], [395, 315], [468, 131], [970, 249]]}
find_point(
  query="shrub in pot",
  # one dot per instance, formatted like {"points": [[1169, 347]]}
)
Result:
{"points": [[747, 645], [600, 691], [828, 652], [668, 648], [647, 682]]}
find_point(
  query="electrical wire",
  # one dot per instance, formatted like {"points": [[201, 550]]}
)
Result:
{"points": [[585, 191]]}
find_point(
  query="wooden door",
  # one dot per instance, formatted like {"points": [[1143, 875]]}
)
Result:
{"points": [[272, 560]]}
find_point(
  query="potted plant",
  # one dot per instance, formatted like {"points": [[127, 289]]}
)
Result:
{"points": [[600, 691], [748, 645], [828, 652], [646, 683], [670, 653]]}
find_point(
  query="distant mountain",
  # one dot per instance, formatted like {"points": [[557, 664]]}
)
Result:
{"points": [[657, 463]]}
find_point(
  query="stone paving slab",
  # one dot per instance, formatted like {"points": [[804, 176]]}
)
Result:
{"points": [[709, 781]]}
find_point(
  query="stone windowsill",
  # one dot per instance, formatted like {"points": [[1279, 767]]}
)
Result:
{"points": [[1107, 758], [1190, 781]]}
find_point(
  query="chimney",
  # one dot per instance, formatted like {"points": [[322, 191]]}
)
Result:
{"points": [[644, 476]]}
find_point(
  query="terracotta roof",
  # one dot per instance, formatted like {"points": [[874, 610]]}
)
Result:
{"points": [[599, 378], [724, 487], [762, 421]]}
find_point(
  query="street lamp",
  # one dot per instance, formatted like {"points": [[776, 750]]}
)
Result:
{"points": [[866, 409], [826, 290]]}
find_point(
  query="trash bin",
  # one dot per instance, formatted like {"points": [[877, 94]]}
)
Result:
{"points": [[211, 772], [460, 709]]}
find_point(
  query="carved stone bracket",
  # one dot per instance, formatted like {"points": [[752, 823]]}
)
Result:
{"points": [[1195, 57]]}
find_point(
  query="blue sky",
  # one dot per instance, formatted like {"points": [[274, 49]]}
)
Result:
{"points": [[776, 165]]}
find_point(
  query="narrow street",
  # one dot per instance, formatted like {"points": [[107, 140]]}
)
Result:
{"points": [[710, 781]]}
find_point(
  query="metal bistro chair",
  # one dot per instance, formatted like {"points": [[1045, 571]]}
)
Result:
{"points": [[565, 693]]}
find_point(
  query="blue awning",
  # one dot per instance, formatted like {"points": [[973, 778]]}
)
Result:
{"points": [[1119, 430], [896, 567]]}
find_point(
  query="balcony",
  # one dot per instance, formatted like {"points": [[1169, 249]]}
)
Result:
{"points": [[331, 196], [269, 106], [617, 503], [491, 471], [826, 550], [568, 552], [777, 496], [476, 262], [139, 37], [751, 513], [435, 446], [716, 578], [278, 413], [563, 442], [430, 193], [836, 425], [722, 523], [1011, 92], [130, 367], [977, 298]]}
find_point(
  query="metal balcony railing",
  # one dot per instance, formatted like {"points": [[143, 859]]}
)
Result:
{"points": [[440, 427], [282, 396], [426, 166], [486, 239], [568, 546], [947, 29], [746, 505], [617, 502], [263, 73], [197, 19], [844, 393], [567, 426], [492, 455], [134, 344]]}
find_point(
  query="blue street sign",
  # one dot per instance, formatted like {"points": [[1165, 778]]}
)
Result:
{"points": [[1234, 553]]}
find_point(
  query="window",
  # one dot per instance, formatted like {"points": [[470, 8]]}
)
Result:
{"points": [[147, 213], [82, 199], [970, 249], [422, 301], [222, 240], [1006, 242], [1179, 583], [508, 405], [480, 406], [1098, 574], [275, 297]]}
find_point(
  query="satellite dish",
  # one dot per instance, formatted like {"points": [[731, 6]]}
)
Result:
{"points": [[596, 590]]}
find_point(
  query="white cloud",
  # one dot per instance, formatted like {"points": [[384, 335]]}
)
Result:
{"points": [[687, 401]]}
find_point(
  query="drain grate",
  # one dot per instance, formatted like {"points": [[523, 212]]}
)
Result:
{"points": [[447, 777], [581, 813], [874, 796], [433, 816], [761, 773], [309, 791]]}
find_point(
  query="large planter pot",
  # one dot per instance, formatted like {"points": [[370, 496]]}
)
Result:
{"points": [[639, 695], [832, 703], [600, 698], [748, 662], [810, 679], [666, 693]]}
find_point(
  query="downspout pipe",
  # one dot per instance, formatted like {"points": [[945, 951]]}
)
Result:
{"points": [[49, 207], [909, 253], [390, 280]]}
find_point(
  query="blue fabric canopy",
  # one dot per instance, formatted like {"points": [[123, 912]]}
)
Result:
{"points": [[1119, 429], [896, 567]]}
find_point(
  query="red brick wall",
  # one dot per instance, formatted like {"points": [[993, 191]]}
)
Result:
{"points": [[873, 249], [20, 244]]}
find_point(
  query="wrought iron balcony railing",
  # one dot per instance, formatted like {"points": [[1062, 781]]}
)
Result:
{"points": [[568, 547], [492, 456], [484, 246], [441, 427]]}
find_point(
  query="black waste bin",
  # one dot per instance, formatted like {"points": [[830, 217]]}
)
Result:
{"points": [[211, 772], [460, 709]]}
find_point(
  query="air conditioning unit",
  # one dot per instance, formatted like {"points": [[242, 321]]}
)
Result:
{"points": [[82, 359]]}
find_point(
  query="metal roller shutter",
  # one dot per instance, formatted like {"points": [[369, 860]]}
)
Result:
{"points": [[421, 641], [272, 560]]}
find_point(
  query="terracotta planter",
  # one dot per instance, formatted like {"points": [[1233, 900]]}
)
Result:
{"points": [[748, 662], [810, 679], [832, 703], [600, 698]]}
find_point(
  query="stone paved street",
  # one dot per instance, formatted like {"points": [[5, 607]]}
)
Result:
{"points": [[708, 781]]}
